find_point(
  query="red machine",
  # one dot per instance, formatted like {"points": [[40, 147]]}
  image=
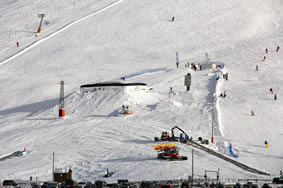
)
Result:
{"points": [[166, 137], [168, 152]]}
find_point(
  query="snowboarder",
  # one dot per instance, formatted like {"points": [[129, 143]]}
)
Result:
{"points": [[252, 113], [256, 67], [278, 48], [173, 18], [266, 144], [18, 45], [264, 58], [266, 51], [275, 96], [177, 64]]}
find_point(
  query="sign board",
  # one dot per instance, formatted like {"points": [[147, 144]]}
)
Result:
{"points": [[188, 79]]}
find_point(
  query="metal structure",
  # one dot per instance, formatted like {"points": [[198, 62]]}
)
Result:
{"points": [[173, 135], [212, 137], [41, 16], [192, 166], [188, 81], [217, 174], [61, 100], [53, 166]]}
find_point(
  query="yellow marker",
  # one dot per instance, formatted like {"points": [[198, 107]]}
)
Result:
{"points": [[159, 146]]}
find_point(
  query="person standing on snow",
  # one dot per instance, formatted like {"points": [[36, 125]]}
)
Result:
{"points": [[18, 45], [266, 51], [278, 48], [173, 18], [177, 64], [264, 58]]}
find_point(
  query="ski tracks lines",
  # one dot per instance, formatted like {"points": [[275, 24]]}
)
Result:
{"points": [[56, 32]]}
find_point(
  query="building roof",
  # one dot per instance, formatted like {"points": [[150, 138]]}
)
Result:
{"points": [[105, 84]]}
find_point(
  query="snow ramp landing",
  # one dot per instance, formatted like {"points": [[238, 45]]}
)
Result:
{"points": [[103, 103]]}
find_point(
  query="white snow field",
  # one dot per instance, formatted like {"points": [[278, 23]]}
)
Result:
{"points": [[89, 41]]}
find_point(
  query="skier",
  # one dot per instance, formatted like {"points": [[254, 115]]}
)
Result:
{"points": [[18, 44], [275, 96], [256, 67], [266, 51], [252, 113], [177, 64], [173, 18], [264, 58], [278, 48], [195, 67]]}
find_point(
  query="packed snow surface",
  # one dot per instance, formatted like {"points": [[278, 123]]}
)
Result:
{"points": [[90, 41]]}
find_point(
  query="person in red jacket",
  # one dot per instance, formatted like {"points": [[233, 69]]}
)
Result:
{"points": [[278, 48]]}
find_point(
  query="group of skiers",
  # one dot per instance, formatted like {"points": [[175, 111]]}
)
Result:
{"points": [[223, 95], [266, 52], [195, 66], [225, 76], [264, 58], [271, 92]]}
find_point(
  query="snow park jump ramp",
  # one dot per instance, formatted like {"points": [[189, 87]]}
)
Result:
{"points": [[104, 100]]}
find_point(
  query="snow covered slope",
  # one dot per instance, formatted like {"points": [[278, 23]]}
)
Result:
{"points": [[92, 41]]}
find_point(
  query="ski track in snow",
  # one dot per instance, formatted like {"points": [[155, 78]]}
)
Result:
{"points": [[49, 36]]}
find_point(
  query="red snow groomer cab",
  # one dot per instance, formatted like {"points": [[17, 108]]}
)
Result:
{"points": [[168, 152], [164, 136]]}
